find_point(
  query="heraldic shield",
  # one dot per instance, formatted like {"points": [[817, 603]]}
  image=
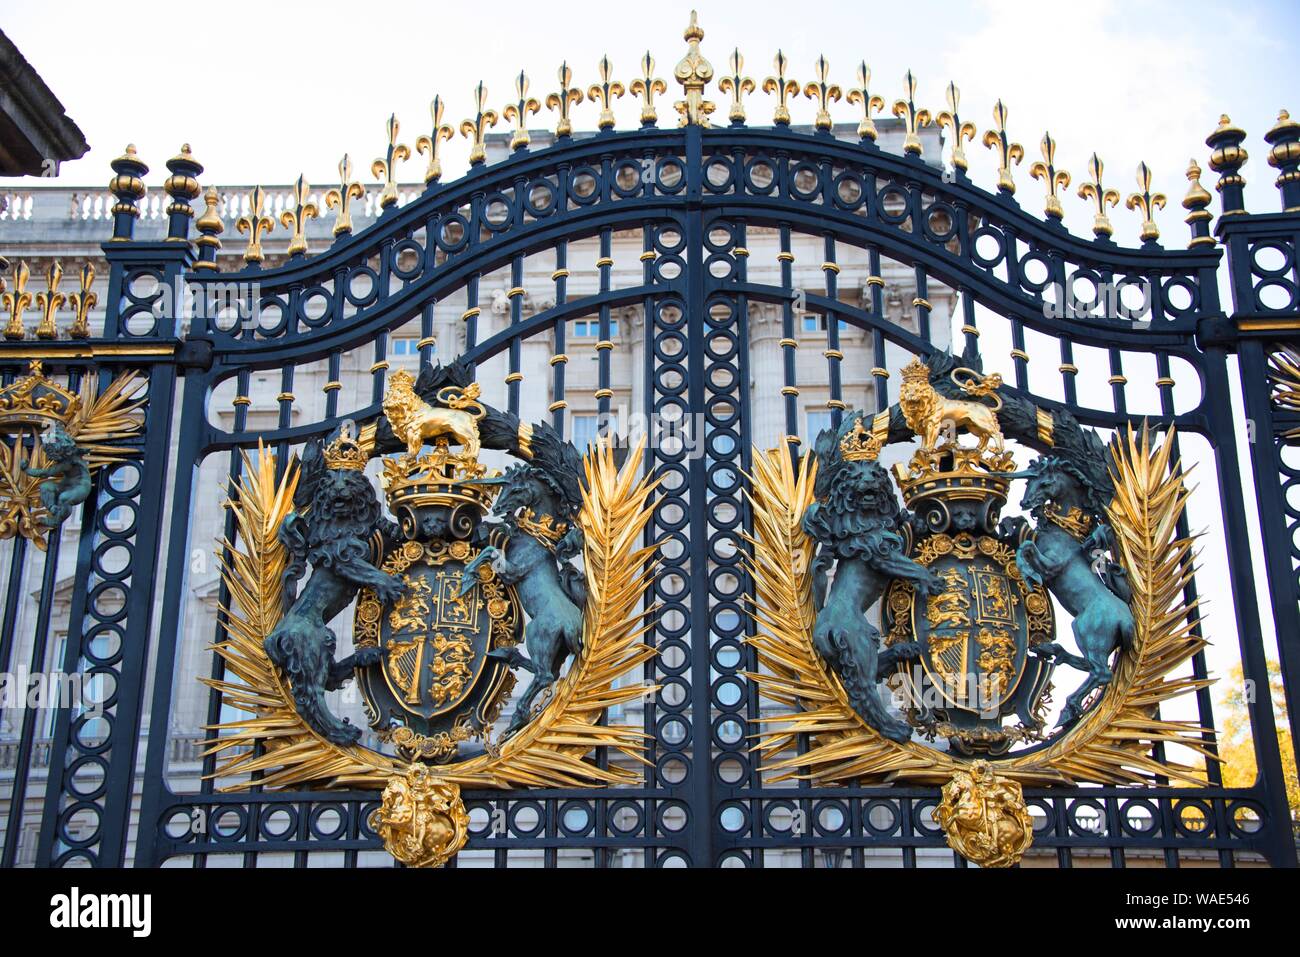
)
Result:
{"points": [[437, 682]]}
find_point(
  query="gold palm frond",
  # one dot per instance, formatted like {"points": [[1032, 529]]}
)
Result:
{"points": [[107, 417], [1113, 742], [550, 751], [20, 497]]}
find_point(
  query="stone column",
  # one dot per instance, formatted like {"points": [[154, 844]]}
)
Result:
{"points": [[766, 376]]}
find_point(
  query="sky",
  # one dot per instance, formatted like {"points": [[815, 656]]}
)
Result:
{"points": [[265, 91]]}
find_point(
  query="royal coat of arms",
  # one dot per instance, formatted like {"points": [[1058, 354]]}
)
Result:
{"points": [[918, 642], [457, 579]]}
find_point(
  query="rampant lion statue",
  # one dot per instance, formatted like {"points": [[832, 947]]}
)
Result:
{"points": [[928, 413], [414, 422], [854, 522], [333, 527], [67, 479]]}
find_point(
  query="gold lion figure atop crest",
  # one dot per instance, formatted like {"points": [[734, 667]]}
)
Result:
{"points": [[422, 820], [415, 422], [984, 817], [928, 413]]}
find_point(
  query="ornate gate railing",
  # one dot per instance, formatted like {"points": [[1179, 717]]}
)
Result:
{"points": [[714, 335]]}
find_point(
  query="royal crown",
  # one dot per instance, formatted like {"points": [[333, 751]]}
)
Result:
{"points": [[345, 452], [860, 445], [35, 400]]}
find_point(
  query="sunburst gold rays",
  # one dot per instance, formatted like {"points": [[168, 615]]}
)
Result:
{"points": [[549, 752], [107, 417], [1113, 742]]}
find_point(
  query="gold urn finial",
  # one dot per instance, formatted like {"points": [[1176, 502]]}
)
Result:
{"points": [[737, 84], [341, 198], [440, 133], [210, 227], [16, 302], [870, 102], [385, 167], [1053, 178], [1100, 196], [823, 91], [563, 99], [646, 86], [82, 302], [255, 224], [1146, 201], [1007, 151], [295, 219], [783, 86], [1195, 202], [518, 112], [476, 127], [49, 301], [605, 92], [694, 73]]}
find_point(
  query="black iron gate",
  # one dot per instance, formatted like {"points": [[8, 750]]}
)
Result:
{"points": [[704, 200]]}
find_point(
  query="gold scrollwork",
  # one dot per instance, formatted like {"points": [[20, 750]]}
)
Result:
{"points": [[421, 818]]}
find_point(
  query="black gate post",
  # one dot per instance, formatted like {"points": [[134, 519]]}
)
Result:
{"points": [[141, 327], [1266, 323]]}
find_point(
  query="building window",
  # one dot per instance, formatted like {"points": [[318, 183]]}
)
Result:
{"points": [[406, 346], [591, 327], [583, 430], [816, 323], [818, 421]]}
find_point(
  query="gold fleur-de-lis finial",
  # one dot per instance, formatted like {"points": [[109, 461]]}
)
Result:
{"points": [[563, 98], [694, 73], [476, 128], [646, 86], [255, 224], [951, 118], [439, 134], [1148, 202], [1008, 152], [16, 302], [385, 168], [913, 118], [784, 88], [1053, 178], [48, 302], [737, 84], [1101, 197], [604, 92], [82, 302], [518, 112], [862, 94], [296, 218], [342, 197], [823, 91]]}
